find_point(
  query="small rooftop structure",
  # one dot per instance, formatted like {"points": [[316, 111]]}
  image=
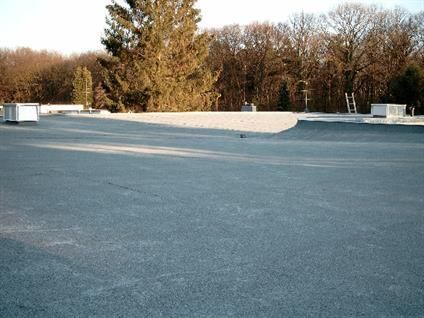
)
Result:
{"points": [[388, 110], [248, 107], [20, 112]]}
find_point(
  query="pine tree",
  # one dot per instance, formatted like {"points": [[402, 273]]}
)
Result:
{"points": [[157, 57], [284, 98], [101, 101], [82, 92], [408, 88], [78, 86]]}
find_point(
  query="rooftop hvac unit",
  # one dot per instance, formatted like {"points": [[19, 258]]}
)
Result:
{"points": [[248, 107], [388, 110], [21, 112]]}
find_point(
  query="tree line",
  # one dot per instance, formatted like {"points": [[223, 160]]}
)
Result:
{"points": [[156, 59], [353, 49], [42, 76]]}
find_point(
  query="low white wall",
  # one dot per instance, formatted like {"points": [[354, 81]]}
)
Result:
{"points": [[46, 109]]}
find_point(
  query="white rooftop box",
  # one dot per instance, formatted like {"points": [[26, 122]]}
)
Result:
{"points": [[21, 112], [248, 108], [388, 110]]}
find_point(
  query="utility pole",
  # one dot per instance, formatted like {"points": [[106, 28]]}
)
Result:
{"points": [[244, 83], [86, 92], [305, 93]]}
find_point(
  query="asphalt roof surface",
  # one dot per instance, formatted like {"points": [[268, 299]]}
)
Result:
{"points": [[121, 219]]}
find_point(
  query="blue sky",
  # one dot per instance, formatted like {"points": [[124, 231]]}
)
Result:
{"points": [[69, 26]]}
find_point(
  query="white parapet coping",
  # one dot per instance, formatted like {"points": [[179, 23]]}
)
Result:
{"points": [[360, 119], [388, 110], [71, 109], [58, 108]]}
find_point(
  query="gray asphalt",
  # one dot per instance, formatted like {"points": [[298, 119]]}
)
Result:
{"points": [[102, 218]]}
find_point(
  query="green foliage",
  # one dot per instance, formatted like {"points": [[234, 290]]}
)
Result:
{"points": [[82, 92], [284, 98], [408, 88], [157, 56]]}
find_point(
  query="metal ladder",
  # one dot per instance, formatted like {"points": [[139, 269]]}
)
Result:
{"points": [[351, 104]]}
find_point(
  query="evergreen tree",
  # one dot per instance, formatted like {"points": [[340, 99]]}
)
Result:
{"points": [[78, 87], [101, 101], [157, 57], [82, 92], [408, 88], [284, 98]]}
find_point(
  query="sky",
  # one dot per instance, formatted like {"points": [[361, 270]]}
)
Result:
{"points": [[75, 26]]}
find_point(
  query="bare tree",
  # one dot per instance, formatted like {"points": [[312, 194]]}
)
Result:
{"points": [[350, 36]]}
